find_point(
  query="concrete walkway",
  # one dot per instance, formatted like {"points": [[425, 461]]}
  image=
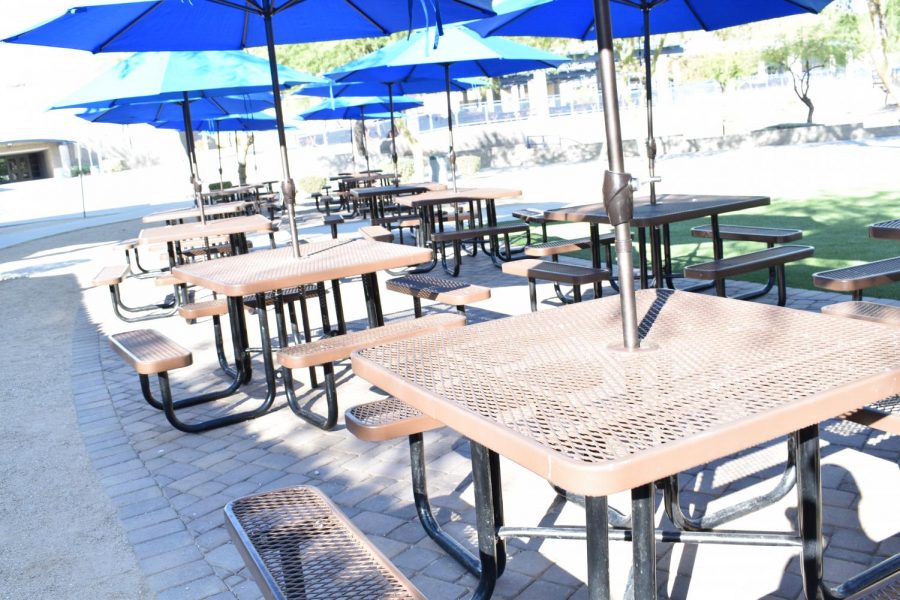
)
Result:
{"points": [[101, 498]]}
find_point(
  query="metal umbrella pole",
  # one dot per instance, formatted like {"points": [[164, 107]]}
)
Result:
{"points": [[365, 140], [452, 154], [219, 152], [617, 191], [648, 89], [288, 190], [192, 154], [393, 133]]}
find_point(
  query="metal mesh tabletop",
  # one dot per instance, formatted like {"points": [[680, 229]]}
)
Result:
{"points": [[268, 270], [194, 213], [187, 231], [669, 208], [554, 392], [888, 230], [462, 195], [394, 190]]}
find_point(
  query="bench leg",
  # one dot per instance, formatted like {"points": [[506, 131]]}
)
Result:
{"points": [[710, 520], [282, 328], [556, 287], [782, 285], [576, 293], [338, 306], [454, 272], [857, 295], [423, 508], [417, 307], [119, 306], [220, 347], [327, 422], [323, 308], [532, 293]]}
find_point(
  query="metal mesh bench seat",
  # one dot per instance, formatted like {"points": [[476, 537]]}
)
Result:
{"points": [[865, 311], [150, 352], [857, 278], [775, 257], [387, 419], [167, 279], [745, 233], [558, 247], [111, 275], [326, 351], [333, 221], [376, 233], [299, 545], [294, 294], [574, 275], [207, 308], [530, 215], [447, 291]]}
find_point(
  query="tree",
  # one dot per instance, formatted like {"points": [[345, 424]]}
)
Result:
{"points": [[723, 68], [884, 15], [831, 42], [243, 149]]}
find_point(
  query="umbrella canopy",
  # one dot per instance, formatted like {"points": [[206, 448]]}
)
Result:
{"points": [[356, 107], [359, 107], [633, 18], [201, 108], [460, 53], [411, 86], [234, 122], [228, 25], [575, 18]]}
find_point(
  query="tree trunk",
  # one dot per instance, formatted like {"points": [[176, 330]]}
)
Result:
{"points": [[809, 105], [879, 53], [242, 173]]}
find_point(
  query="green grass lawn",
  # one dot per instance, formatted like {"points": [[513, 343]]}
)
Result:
{"points": [[835, 227]]}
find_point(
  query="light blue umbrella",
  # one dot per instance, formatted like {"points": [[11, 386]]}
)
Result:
{"points": [[182, 76], [201, 108], [357, 107], [410, 86], [633, 18], [231, 25], [460, 53]]}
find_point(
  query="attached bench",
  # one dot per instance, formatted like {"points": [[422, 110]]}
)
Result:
{"points": [[325, 352], [298, 545], [884, 414], [447, 291], [531, 216], [441, 238], [398, 221], [775, 257], [860, 277], [333, 221], [113, 276], [744, 233], [574, 275], [388, 419], [151, 353], [376, 233]]}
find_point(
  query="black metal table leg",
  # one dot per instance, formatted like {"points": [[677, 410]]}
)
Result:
{"points": [[809, 513], [643, 545], [373, 299], [487, 528], [597, 547]]}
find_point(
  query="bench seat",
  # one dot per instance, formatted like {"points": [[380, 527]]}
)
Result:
{"points": [[297, 544], [565, 246], [376, 233], [530, 215], [744, 233], [478, 232], [557, 272], [150, 352], [387, 419], [746, 263], [859, 277], [111, 275], [865, 311], [329, 350], [166, 279], [448, 291], [209, 308]]}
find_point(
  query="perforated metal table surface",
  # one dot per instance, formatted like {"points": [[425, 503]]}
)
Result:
{"points": [[438, 197], [669, 208], [187, 231], [554, 392], [223, 208], [886, 230]]}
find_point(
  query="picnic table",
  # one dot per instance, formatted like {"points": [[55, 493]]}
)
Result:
{"points": [[564, 400], [268, 271], [886, 230], [180, 215], [669, 208], [238, 190], [372, 195]]}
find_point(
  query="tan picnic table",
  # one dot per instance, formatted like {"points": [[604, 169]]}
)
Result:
{"points": [[216, 210], [886, 230], [269, 271], [669, 208], [375, 196], [559, 396]]}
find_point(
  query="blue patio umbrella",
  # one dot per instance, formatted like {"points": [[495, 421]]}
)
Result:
{"points": [[410, 86], [634, 18], [230, 25], [205, 108], [357, 107], [460, 53]]}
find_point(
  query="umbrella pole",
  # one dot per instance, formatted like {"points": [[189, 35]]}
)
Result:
{"points": [[288, 191], [219, 151], [189, 141], [648, 87], [365, 140], [393, 133], [452, 155], [617, 193]]}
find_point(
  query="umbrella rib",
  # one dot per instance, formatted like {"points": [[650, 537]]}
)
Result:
{"points": [[286, 6], [366, 16], [243, 7], [128, 26], [802, 6], [694, 12]]}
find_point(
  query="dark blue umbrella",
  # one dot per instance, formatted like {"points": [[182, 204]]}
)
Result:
{"points": [[201, 108], [357, 107], [410, 86], [460, 53], [634, 18], [232, 24]]}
